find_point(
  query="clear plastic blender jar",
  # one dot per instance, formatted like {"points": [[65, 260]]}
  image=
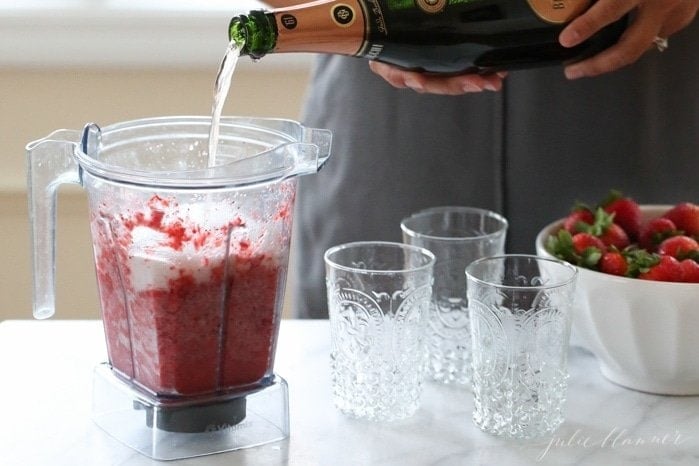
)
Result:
{"points": [[191, 257]]}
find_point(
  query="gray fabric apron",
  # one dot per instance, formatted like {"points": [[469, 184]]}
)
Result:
{"points": [[528, 152]]}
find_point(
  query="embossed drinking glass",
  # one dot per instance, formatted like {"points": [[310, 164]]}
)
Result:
{"points": [[456, 236], [520, 310], [378, 297]]}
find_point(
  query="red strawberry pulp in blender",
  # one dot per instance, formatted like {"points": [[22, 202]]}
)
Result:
{"points": [[187, 310]]}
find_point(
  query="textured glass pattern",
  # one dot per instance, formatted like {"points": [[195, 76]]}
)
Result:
{"points": [[456, 236], [377, 355], [520, 342], [448, 331], [378, 299]]}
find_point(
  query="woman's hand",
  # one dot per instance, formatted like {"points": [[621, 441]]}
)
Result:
{"points": [[436, 84], [651, 19]]}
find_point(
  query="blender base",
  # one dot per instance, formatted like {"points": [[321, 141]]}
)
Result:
{"points": [[172, 430]]}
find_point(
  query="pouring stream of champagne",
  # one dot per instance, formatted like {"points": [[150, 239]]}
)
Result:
{"points": [[221, 88]]}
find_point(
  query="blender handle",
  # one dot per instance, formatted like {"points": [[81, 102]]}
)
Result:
{"points": [[322, 140], [50, 163]]}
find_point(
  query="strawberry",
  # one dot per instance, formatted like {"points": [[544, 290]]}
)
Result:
{"points": [[668, 269], [605, 229], [583, 241], [655, 231], [685, 216], [589, 249], [614, 235], [582, 249], [561, 246], [627, 213], [577, 220], [679, 247], [639, 261], [613, 262], [690, 271], [611, 238]]}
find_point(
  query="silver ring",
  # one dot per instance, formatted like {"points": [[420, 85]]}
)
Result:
{"points": [[660, 43]]}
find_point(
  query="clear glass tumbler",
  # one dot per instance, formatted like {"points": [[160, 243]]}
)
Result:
{"points": [[456, 236], [378, 297], [521, 316]]}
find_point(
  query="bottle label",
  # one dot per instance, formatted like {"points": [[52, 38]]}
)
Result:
{"points": [[343, 15], [559, 11], [431, 6], [460, 35], [376, 29], [326, 27]]}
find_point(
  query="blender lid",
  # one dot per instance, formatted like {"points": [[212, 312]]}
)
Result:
{"points": [[173, 151]]}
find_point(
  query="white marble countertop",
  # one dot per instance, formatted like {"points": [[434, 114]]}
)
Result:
{"points": [[45, 385]]}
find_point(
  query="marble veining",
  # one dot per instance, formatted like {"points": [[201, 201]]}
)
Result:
{"points": [[47, 367]]}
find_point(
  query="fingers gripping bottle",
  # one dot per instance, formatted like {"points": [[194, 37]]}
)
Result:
{"points": [[436, 36]]}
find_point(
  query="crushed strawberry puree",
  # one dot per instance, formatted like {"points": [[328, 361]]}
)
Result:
{"points": [[205, 324]]}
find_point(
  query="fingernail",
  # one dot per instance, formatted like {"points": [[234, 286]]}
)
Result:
{"points": [[470, 87], [573, 73], [490, 86], [413, 84], [569, 38]]}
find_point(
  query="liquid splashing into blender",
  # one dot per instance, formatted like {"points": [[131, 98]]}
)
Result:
{"points": [[221, 88]]}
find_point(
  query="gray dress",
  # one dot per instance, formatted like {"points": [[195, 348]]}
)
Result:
{"points": [[528, 152]]}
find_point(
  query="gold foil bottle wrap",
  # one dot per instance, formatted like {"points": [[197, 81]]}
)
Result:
{"points": [[327, 27], [559, 11]]}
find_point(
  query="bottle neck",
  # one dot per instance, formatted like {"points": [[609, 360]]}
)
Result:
{"points": [[326, 26], [256, 33]]}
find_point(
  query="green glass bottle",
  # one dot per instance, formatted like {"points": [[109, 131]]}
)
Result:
{"points": [[438, 36]]}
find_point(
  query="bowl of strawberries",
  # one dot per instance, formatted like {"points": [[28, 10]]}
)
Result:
{"points": [[637, 297]]}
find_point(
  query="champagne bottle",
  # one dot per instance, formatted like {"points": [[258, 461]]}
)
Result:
{"points": [[437, 36]]}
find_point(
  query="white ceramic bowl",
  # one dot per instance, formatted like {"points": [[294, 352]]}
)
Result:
{"points": [[645, 334]]}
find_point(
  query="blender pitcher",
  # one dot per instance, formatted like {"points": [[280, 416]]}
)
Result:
{"points": [[191, 257]]}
